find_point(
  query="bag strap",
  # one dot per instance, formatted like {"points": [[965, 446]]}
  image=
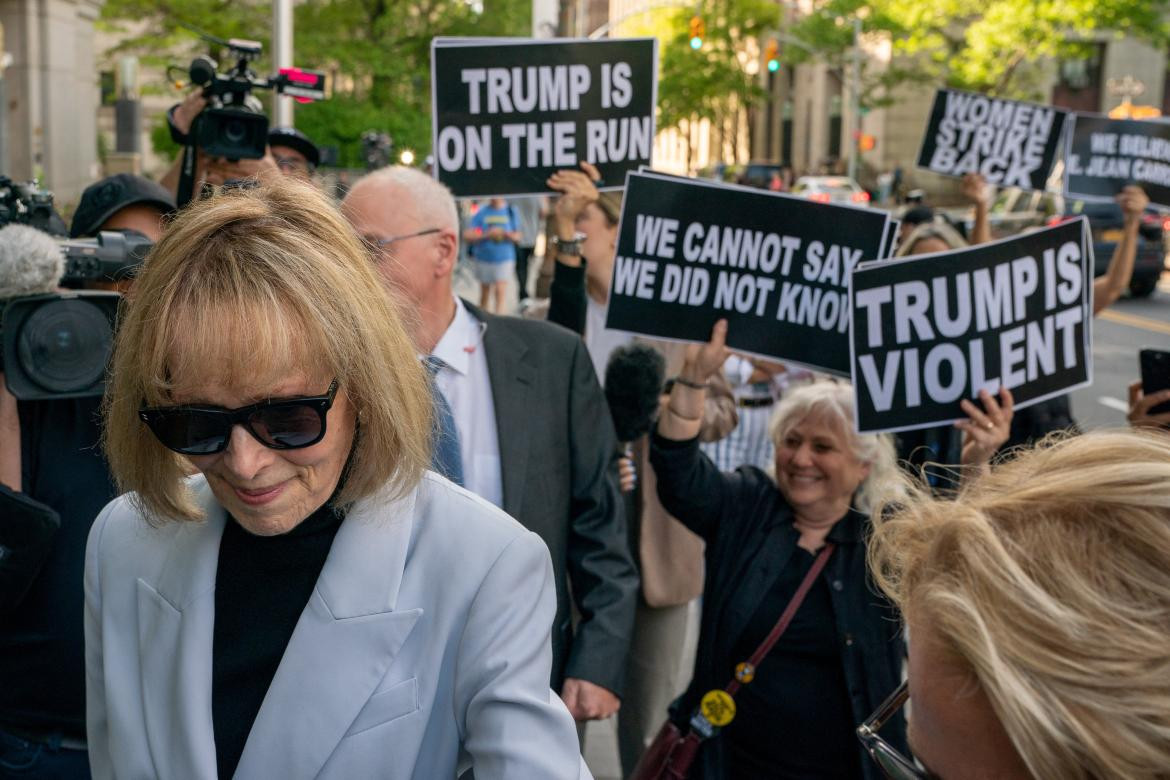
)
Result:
{"points": [[745, 672]]}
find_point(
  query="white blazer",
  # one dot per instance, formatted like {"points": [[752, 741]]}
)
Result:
{"points": [[423, 650]]}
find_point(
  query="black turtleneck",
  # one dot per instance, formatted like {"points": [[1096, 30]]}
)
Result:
{"points": [[261, 587]]}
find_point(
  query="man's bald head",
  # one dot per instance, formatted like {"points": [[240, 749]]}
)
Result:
{"points": [[411, 220], [408, 190]]}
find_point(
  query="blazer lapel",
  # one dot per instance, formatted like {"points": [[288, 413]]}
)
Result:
{"points": [[512, 379], [341, 648], [753, 581], [176, 615]]}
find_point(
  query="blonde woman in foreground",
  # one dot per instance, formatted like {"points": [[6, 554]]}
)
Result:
{"points": [[1038, 605]]}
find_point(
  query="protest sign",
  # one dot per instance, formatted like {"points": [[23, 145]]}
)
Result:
{"points": [[776, 266], [931, 330], [509, 113], [1012, 144], [1106, 154]]}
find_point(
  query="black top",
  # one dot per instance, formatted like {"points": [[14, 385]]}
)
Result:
{"points": [[566, 297], [261, 588], [793, 718], [42, 642], [751, 545]]}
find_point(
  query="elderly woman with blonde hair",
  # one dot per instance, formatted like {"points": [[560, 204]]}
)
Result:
{"points": [[790, 546], [1038, 606], [312, 602]]}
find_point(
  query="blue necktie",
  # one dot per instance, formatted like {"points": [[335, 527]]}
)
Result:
{"points": [[445, 457]]}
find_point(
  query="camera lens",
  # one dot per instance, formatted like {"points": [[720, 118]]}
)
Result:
{"points": [[64, 345], [235, 131]]}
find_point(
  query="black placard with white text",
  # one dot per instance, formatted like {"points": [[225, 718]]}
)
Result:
{"points": [[1013, 144], [776, 266], [1106, 154], [929, 331], [509, 113]]}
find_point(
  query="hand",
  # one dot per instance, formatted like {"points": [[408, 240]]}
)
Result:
{"points": [[976, 190], [1133, 201], [766, 368], [703, 360], [1140, 404], [496, 234], [587, 701], [578, 191], [185, 113], [627, 474], [985, 430]]}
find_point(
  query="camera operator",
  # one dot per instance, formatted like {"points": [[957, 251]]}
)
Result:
{"points": [[209, 170], [294, 153], [49, 451]]}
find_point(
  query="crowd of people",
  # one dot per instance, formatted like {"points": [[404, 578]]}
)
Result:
{"points": [[332, 520]]}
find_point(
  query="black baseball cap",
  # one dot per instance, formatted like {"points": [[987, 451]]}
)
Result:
{"points": [[103, 198], [295, 139]]}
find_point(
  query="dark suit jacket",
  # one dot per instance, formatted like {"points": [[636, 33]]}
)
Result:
{"points": [[557, 450]]}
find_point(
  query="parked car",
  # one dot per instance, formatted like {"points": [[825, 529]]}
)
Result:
{"points": [[1105, 222], [758, 174], [1011, 212], [831, 189]]}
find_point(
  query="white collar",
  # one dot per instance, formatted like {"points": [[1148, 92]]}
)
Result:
{"points": [[462, 337]]}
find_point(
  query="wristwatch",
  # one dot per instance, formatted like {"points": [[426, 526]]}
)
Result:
{"points": [[571, 247]]}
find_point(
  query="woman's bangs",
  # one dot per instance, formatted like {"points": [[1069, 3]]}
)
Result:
{"points": [[243, 346]]}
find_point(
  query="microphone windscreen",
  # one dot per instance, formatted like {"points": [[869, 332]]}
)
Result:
{"points": [[633, 384], [31, 262]]}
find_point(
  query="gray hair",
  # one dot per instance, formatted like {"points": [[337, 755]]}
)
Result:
{"points": [[428, 202], [834, 401]]}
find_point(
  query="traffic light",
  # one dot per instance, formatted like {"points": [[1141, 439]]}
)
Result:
{"points": [[772, 55], [698, 30], [866, 142]]}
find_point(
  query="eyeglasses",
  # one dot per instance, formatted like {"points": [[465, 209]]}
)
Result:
{"points": [[385, 242], [893, 764], [282, 424], [294, 165]]}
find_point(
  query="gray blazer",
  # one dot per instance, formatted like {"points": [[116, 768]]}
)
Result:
{"points": [[423, 650]]}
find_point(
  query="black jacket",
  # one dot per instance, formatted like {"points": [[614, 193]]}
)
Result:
{"points": [[747, 526], [557, 450]]}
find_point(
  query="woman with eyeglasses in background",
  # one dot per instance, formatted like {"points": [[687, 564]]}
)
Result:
{"points": [[312, 603], [1038, 606]]}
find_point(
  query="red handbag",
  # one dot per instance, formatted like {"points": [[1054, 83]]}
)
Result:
{"points": [[672, 752]]}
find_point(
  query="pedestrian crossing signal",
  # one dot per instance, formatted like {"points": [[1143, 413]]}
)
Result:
{"points": [[698, 31], [772, 55]]}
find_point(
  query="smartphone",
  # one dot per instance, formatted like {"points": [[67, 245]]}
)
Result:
{"points": [[1155, 364]]}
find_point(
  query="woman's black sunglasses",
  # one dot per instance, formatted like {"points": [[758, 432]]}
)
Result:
{"points": [[282, 424]]}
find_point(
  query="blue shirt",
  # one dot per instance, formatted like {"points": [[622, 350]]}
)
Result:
{"points": [[486, 219]]}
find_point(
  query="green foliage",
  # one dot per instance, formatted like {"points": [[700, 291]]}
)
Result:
{"points": [[981, 45], [707, 82], [376, 52]]}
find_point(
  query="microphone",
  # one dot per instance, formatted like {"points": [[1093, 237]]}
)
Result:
{"points": [[633, 384], [31, 262]]}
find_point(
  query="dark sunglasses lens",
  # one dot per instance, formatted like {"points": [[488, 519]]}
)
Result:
{"points": [[191, 432], [287, 427]]}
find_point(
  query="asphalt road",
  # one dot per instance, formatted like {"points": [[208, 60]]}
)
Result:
{"points": [[1118, 333]]}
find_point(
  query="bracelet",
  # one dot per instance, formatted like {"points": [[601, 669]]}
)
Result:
{"points": [[571, 247], [676, 413], [681, 380]]}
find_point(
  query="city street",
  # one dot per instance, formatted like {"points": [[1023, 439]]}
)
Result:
{"points": [[1118, 333]]}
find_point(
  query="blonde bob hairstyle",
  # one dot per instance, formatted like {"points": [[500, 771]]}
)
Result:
{"points": [[833, 402], [1049, 580], [245, 289], [940, 230]]}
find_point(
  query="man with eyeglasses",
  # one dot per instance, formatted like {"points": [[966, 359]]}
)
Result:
{"points": [[294, 153], [527, 427]]}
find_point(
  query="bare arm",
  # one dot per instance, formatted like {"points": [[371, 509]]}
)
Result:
{"points": [[1109, 287], [976, 190]]}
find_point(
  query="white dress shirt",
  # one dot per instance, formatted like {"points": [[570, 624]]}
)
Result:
{"points": [[464, 382], [600, 342]]}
